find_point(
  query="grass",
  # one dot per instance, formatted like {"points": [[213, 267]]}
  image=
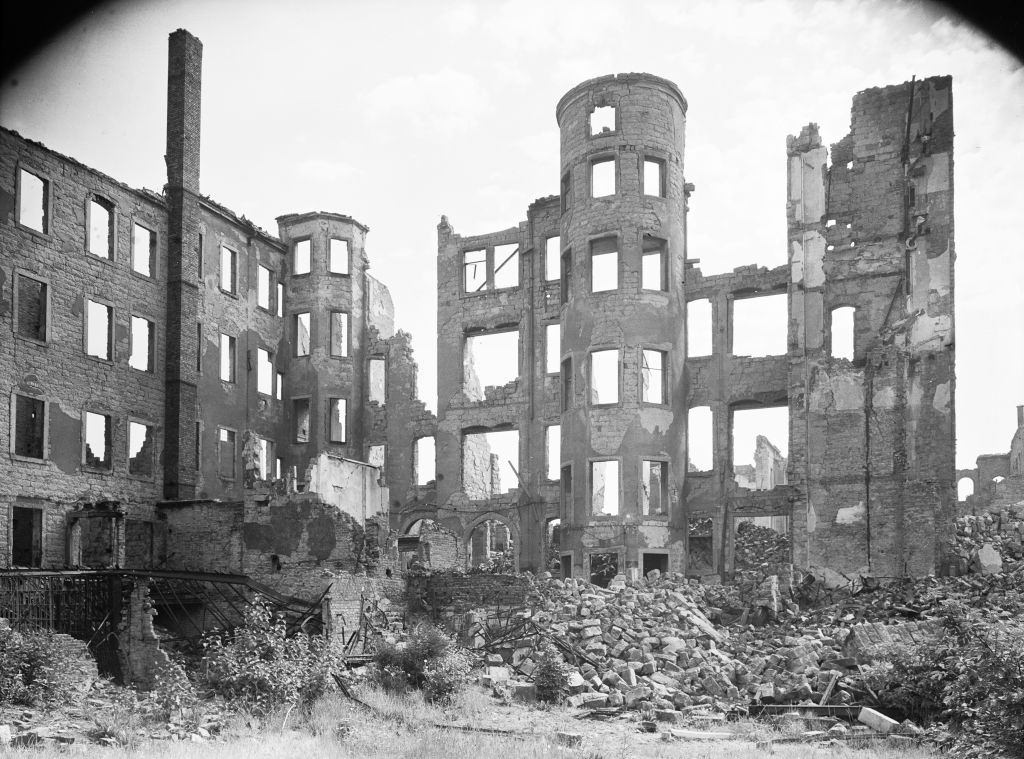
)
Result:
{"points": [[405, 727]]}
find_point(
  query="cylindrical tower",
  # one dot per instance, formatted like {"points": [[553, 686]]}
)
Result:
{"points": [[623, 324]]}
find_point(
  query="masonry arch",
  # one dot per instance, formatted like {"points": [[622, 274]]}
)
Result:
{"points": [[488, 535], [964, 488], [411, 518]]}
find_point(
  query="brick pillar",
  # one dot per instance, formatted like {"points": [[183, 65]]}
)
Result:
{"points": [[184, 85]]}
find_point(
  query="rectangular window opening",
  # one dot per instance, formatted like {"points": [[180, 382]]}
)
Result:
{"points": [[506, 265], [99, 323], [26, 537], [279, 390], [302, 334], [654, 487], [553, 340], [759, 326], [566, 275], [760, 442], [566, 192], [604, 377], [29, 427], [378, 380], [474, 271], [490, 461], [489, 360], [700, 555], [97, 441], [553, 450], [143, 352], [425, 460], [101, 228], [602, 178], [33, 201], [566, 372], [226, 453], [143, 250], [32, 308], [265, 457], [652, 376], [140, 449], [280, 299], [227, 358], [338, 257], [604, 488], [602, 119], [698, 327], [264, 372], [604, 265], [263, 287], [552, 254], [300, 408], [654, 265], [603, 568], [652, 561], [566, 491], [339, 333], [339, 420], [654, 177], [302, 257], [228, 270], [699, 439], [842, 332]]}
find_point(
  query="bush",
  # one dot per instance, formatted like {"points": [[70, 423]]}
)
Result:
{"points": [[429, 661], [261, 668], [34, 668], [551, 677], [972, 678]]}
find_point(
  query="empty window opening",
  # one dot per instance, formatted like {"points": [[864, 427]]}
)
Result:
{"points": [[99, 319], [602, 178], [699, 440], [26, 537], [602, 119], [604, 265], [567, 384], [97, 441], [490, 463], [603, 568], [553, 544], [490, 546], [474, 271], [553, 340], [654, 265], [140, 449], [226, 453], [604, 377], [998, 478], [830, 223], [264, 372], [32, 308], [506, 265], [302, 257], [300, 409], [29, 427], [759, 326], [843, 332], [279, 390], [652, 561], [143, 333], [33, 201], [302, 334], [760, 440], [227, 358], [698, 327], [264, 458], [849, 165], [566, 190], [964, 488], [552, 252], [339, 333], [101, 228], [280, 299], [489, 360], [699, 544], [760, 541], [566, 275], [278, 467], [652, 376], [417, 527], [228, 270], [338, 257], [199, 258], [566, 491], [604, 488], [199, 343], [553, 450], [654, 488], [565, 565], [375, 456], [654, 177], [338, 422], [425, 461], [143, 250], [263, 287], [378, 380]]}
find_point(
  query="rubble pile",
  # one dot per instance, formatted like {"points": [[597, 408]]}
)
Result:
{"points": [[757, 547], [989, 543]]}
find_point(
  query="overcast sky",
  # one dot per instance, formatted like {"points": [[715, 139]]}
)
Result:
{"points": [[398, 112]]}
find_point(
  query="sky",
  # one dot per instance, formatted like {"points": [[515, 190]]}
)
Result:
{"points": [[397, 112]]}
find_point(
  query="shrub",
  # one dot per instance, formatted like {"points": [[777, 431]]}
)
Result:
{"points": [[261, 668], [429, 660], [551, 675], [34, 668]]}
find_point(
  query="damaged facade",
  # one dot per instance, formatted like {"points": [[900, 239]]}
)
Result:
{"points": [[609, 401]]}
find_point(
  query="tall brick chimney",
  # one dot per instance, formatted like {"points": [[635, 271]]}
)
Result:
{"points": [[184, 99]]}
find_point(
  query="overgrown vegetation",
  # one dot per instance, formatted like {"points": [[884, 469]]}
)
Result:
{"points": [[258, 667], [551, 677], [429, 661], [972, 679], [34, 668]]}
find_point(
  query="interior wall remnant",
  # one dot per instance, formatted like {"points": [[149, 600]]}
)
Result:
{"points": [[490, 463], [490, 360], [760, 440]]}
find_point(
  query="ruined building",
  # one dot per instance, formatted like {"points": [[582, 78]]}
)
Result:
{"points": [[626, 358], [188, 391]]}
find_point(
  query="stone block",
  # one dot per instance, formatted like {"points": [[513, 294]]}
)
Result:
{"points": [[876, 720]]}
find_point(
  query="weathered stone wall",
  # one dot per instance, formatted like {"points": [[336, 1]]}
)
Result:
{"points": [[441, 593]]}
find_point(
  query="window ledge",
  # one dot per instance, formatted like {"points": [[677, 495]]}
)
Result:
{"points": [[33, 340], [100, 359], [28, 459], [86, 468], [145, 277], [229, 293], [41, 236]]}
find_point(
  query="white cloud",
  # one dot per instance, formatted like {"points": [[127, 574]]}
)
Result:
{"points": [[441, 102]]}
